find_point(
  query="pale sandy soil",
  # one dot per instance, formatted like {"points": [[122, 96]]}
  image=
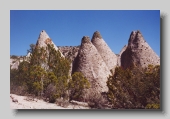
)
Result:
{"points": [[38, 104]]}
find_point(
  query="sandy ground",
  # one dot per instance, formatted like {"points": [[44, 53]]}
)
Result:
{"points": [[38, 104]]}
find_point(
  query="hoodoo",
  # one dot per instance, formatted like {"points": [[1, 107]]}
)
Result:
{"points": [[91, 64], [44, 39], [104, 50], [138, 52]]}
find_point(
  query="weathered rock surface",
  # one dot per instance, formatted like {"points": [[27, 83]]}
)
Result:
{"points": [[69, 52], [15, 65], [120, 54], [15, 61], [44, 39], [104, 50], [138, 52], [91, 64]]}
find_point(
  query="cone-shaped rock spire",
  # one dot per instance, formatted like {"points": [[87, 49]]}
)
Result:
{"points": [[44, 39], [91, 64], [138, 52], [106, 53]]}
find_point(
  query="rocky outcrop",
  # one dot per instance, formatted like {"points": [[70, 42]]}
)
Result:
{"points": [[106, 53], [91, 64], [69, 52], [14, 64], [138, 52], [44, 39], [15, 61], [120, 54]]}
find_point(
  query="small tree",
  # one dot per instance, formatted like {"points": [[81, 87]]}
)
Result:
{"points": [[77, 85], [37, 75]]}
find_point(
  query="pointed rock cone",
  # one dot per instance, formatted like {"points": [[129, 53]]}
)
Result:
{"points": [[91, 64], [138, 52], [44, 39], [106, 53]]}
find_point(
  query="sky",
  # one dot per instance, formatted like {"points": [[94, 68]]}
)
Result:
{"points": [[67, 27]]}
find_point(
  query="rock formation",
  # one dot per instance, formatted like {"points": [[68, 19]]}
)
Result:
{"points": [[15, 64], [106, 53], [138, 52], [44, 39], [69, 52], [91, 64], [120, 54], [15, 61]]}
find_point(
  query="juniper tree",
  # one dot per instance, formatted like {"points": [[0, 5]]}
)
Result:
{"points": [[134, 88]]}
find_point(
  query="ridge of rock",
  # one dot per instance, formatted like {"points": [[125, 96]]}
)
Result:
{"points": [[138, 52], [104, 50], [91, 64]]}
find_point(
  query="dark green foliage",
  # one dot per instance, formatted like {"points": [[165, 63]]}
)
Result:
{"points": [[134, 88], [13, 80], [59, 65], [32, 47], [45, 74], [77, 85], [18, 78], [50, 93], [35, 83]]}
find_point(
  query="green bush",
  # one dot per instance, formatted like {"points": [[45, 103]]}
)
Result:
{"points": [[77, 85], [134, 88]]}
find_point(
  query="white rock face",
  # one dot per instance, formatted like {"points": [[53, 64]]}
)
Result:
{"points": [[91, 64], [14, 65], [44, 39], [104, 50], [28, 55], [138, 52]]}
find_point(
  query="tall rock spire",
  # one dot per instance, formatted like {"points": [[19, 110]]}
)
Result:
{"points": [[106, 53], [91, 64], [44, 39], [138, 52]]}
